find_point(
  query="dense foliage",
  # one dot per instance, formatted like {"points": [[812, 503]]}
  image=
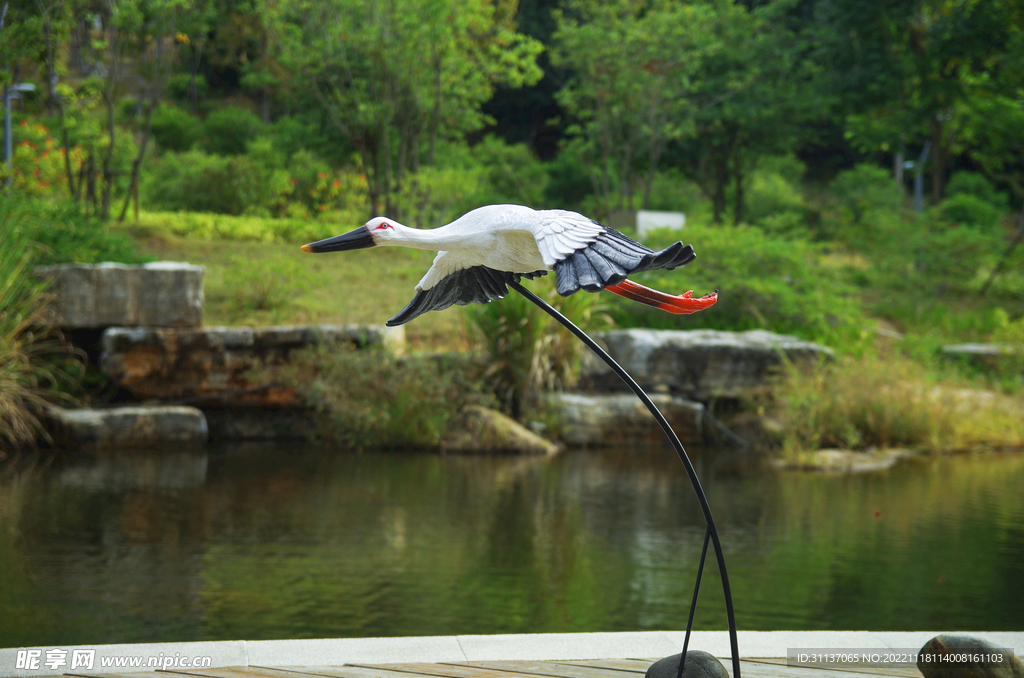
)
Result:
{"points": [[626, 90], [793, 134]]}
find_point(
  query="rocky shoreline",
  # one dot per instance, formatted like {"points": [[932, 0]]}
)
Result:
{"points": [[185, 384]]}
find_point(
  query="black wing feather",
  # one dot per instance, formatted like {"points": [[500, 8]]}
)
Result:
{"points": [[612, 257], [476, 285]]}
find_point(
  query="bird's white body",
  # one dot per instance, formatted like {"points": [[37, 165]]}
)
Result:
{"points": [[479, 253], [502, 237]]}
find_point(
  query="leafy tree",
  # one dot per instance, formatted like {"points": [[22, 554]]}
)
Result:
{"points": [[752, 98], [395, 76], [634, 68], [912, 70]]}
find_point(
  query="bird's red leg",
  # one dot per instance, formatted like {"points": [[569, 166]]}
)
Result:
{"points": [[681, 304]]}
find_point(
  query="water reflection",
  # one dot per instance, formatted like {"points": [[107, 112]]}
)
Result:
{"points": [[263, 541]]}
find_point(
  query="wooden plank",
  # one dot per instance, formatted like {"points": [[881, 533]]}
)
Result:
{"points": [[751, 669], [232, 672], [458, 669], [541, 668], [350, 671], [631, 665], [759, 667], [907, 672]]}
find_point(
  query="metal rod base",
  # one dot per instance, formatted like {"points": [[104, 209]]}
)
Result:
{"points": [[680, 451]]}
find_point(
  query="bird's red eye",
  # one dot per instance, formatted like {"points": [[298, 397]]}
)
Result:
{"points": [[381, 227]]}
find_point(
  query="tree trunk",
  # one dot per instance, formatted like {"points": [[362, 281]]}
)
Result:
{"points": [[108, 159], [193, 86], [133, 190], [51, 71], [737, 168], [940, 153]]}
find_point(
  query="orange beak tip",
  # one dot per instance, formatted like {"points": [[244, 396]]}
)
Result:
{"points": [[307, 248]]}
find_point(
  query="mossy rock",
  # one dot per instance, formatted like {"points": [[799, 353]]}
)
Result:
{"points": [[480, 430]]}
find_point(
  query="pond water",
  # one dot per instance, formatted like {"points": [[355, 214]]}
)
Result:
{"points": [[287, 541]]}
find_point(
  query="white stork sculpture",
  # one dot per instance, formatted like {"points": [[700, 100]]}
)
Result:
{"points": [[480, 250]]}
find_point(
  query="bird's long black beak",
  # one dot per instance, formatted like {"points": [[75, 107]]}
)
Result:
{"points": [[353, 240]]}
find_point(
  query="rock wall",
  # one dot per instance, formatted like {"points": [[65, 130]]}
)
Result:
{"points": [[614, 419], [127, 427], [699, 364], [160, 294], [166, 363]]}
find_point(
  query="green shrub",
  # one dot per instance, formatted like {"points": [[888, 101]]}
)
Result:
{"points": [[229, 130], [769, 194], [199, 182], [369, 397], [28, 380], [569, 182], [245, 228], [64, 236], [173, 129], [179, 86], [526, 349], [766, 282], [671, 192], [858, 403], [867, 188], [966, 209], [789, 167], [919, 256], [268, 287], [511, 174], [291, 135], [977, 185], [435, 195]]}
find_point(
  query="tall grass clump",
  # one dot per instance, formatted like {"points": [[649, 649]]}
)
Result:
{"points": [[62, 234], [890, 401], [526, 350], [28, 380], [368, 397], [765, 282]]}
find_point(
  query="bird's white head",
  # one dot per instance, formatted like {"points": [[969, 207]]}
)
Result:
{"points": [[376, 231], [384, 231]]}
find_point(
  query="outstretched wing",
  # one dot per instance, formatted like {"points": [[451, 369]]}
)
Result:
{"points": [[475, 285], [610, 258], [559, 233]]}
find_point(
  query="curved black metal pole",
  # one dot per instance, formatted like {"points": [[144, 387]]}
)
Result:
{"points": [[673, 438], [693, 605]]}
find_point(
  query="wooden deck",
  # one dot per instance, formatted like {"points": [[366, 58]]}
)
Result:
{"points": [[597, 668]]}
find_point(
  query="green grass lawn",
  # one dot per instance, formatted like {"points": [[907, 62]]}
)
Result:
{"points": [[271, 283]]}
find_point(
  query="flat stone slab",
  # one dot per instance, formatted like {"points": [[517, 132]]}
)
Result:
{"points": [[167, 363], [984, 350], [845, 461], [616, 419], [159, 294], [699, 364], [481, 430], [477, 648], [121, 427]]}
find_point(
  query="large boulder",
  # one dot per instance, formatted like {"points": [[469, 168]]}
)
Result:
{"points": [[160, 294], [962, 656], [480, 430], [124, 427], [699, 364], [616, 419], [213, 362], [699, 664]]}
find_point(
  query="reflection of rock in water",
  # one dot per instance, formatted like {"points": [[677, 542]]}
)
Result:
{"points": [[128, 470]]}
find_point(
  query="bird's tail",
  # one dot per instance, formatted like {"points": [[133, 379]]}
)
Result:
{"points": [[680, 304]]}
